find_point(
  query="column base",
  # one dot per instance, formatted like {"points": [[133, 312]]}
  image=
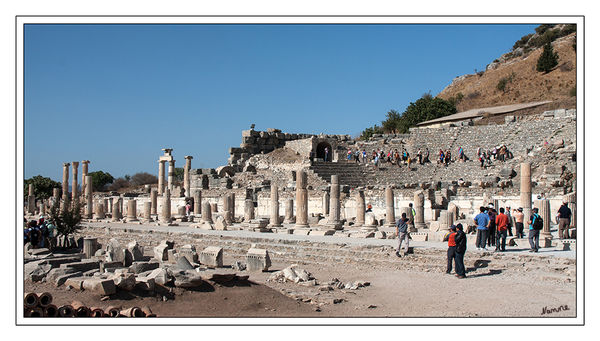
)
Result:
{"points": [[368, 228]]}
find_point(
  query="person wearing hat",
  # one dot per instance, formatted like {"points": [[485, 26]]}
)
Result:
{"points": [[450, 238], [564, 220], [519, 216], [461, 247], [534, 234]]}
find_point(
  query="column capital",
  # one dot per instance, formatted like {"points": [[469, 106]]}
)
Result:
{"points": [[167, 151], [85, 162], [162, 161], [188, 157], [66, 164], [75, 163]]}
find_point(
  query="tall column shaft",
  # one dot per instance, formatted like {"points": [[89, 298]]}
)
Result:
{"points": [[325, 204], [116, 215], [526, 189], [166, 207], [153, 201], [301, 200], [186, 175], [419, 204], [75, 165], [232, 206], [544, 211], [171, 175], [197, 202], [248, 210], [100, 210], [289, 211], [65, 182], [161, 177], [132, 210], [84, 173], [334, 203], [390, 216], [274, 206], [88, 196], [147, 210], [360, 208], [227, 208]]}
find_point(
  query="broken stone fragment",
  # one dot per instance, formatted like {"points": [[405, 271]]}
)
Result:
{"points": [[212, 257], [160, 276], [124, 281], [137, 252], [258, 260], [99, 286], [187, 279]]}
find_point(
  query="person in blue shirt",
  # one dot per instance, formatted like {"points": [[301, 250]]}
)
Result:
{"points": [[482, 220]]}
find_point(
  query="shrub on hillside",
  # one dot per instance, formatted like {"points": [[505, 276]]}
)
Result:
{"points": [[369, 132], [143, 178], [100, 180], [547, 60], [118, 183]]}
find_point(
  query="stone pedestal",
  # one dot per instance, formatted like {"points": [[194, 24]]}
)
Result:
{"points": [[289, 211], [573, 207], [153, 202], [419, 204], [161, 177], [166, 207], [74, 194], [360, 208], [100, 210], [274, 221], [116, 215], [301, 200], [390, 217], [132, 210], [197, 203], [90, 246], [186, 175], [207, 212], [526, 189], [147, 211]]}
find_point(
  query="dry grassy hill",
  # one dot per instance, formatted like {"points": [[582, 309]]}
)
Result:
{"points": [[523, 82]]}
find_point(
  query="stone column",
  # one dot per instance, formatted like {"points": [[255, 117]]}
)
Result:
{"points": [[147, 211], [186, 175], [43, 207], [573, 207], [207, 212], [289, 211], [166, 207], [132, 210], [75, 165], [161, 177], [248, 210], [153, 202], [65, 184], [232, 206], [88, 196], [56, 193], [544, 207], [115, 210], [274, 206], [390, 218], [526, 189], [197, 203], [446, 219], [100, 210], [84, 173], [419, 205], [30, 200], [89, 246], [301, 200], [171, 174], [326, 204], [109, 205], [227, 209], [334, 203], [452, 208], [360, 208]]}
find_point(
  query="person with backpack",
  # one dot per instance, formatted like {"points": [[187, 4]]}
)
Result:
{"points": [[451, 254], [535, 225], [403, 236], [461, 248]]}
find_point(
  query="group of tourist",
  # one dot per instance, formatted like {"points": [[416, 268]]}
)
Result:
{"points": [[501, 153], [393, 157], [39, 233]]}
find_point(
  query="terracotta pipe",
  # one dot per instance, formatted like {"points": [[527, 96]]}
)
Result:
{"points": [[66, 311], [34, 312], [51, 311], [96, 312], [146, 309], [44, 299], [80, 310], [133, 312], [112, 311], [30, 300]]}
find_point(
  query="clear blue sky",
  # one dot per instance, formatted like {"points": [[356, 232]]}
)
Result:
{"points": [[117, 94]]}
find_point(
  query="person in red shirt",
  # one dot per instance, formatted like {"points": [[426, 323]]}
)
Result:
{"points": [[451, 247], [502, 228]]}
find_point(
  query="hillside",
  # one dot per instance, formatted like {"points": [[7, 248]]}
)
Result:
{"points": [[522, 82]]}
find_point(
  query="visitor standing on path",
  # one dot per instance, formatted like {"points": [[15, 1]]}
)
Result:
{"points": [[519, 217], [482, 220], [402, 231], [449, 237], [510, 221], [326, 154], [564, 220], [502, 226], [492, 228], [535, 225], [461, 247]]}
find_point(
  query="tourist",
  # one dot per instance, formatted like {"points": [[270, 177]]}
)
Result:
{"points": [[364, 156], [502, 226], [325, 157], [441, 157], [412, 211], [403, 236], [43, 228], [357, 156], [519, 217], [34, 233], [447, 157], [426, 155], [482, 220], [461, 247], [349, 157], [420, 156], [564, 220], [461, 154], [369, 208], [492, 228], [188, 208], [534, 230], [510, 220], [451, 253]]}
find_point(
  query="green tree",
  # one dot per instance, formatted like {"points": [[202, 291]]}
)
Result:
{"points": [[66, 219], [424, 109], [143, 178], [42, 187], [391, 122], [100, 180], [178, 175], [548, 59], [369, 132]]}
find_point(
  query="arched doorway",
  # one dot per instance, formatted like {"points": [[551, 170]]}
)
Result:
{"points": [[321, 151]]}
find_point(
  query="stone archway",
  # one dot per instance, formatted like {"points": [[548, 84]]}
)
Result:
{"points": [[321, 151]]}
